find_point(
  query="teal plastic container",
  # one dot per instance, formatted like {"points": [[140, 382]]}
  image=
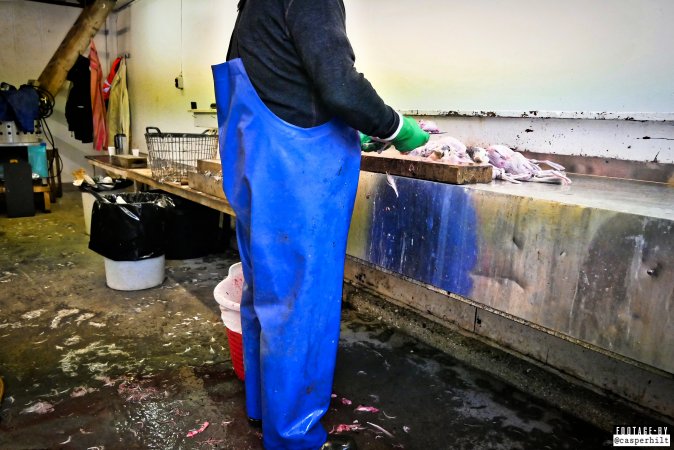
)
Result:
{"points": [[37, 157]]}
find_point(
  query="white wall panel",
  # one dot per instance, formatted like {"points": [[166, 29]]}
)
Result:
{"points": [[574, 55]]}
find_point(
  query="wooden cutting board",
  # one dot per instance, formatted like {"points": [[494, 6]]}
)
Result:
{"points": [[129, 161], [401, 165], [426, 169]]}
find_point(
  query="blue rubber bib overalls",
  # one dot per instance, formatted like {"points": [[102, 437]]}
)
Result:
{"points": [[293, 191]]}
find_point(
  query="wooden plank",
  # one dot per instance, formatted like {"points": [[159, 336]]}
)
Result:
{"points": [[129, 161], [45, 190], [208, 184], [144, 176], [426, 169], [144, 173], [209, 165], [105, 162]]}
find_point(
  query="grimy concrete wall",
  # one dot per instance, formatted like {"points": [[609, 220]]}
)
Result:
{"points": [[523, 55]]}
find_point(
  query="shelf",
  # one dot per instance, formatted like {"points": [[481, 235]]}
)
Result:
{"points": [[19, 144]]}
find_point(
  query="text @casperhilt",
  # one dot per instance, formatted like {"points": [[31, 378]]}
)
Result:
{"points": [[641, 437]]}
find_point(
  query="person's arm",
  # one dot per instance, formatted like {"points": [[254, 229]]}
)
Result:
{"points": [[318, 30]]}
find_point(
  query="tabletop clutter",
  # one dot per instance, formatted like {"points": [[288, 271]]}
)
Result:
{"points": [[445, 158]]}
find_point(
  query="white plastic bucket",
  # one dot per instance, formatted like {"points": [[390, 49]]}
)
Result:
{"points": [[135, 275], [88, 201], [228, 295]]}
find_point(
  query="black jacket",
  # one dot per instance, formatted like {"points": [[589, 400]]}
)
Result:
{"points": [[78, 106], [301, 64]]}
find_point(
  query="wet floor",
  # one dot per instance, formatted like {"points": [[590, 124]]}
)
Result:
{"points": [[88, 367]]}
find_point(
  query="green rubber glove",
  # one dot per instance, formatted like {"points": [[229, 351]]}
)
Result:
{"points": [[367, 144], [411, 136]]}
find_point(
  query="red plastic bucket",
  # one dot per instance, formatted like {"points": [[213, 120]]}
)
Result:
{"points": [[228, 295], [236, 352]]}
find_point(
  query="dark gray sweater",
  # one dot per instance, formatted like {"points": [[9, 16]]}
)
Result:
{"points": [[301, 64]]}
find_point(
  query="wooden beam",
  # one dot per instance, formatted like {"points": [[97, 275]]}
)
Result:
{"points": [[59, 3], [76, 41]]}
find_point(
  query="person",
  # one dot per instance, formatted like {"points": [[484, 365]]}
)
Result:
{"points": [[289, 102]]}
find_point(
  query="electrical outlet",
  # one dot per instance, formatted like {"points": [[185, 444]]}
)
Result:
{"points": [[179, 81]]}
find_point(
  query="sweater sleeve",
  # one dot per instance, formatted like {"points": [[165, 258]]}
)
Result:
{"points": [[318, 31]]}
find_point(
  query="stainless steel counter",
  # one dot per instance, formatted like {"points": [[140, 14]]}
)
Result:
{"points": [[592, 262], [625, 196]]}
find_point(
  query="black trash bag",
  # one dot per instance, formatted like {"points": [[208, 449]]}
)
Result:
{"points": [[192, 230], [117, 184], [131, 231]]}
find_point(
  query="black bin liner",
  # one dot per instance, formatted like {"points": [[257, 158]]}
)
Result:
{"points": [[132, 231], [117, 184], [192, 230]]}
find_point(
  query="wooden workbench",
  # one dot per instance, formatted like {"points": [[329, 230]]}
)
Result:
{"points": [[390, 163], [144, 176]]}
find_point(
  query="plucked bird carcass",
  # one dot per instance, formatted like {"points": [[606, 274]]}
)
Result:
{"points": [[515, 167], [446, 149]]}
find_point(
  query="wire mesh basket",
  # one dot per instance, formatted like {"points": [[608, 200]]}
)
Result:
{"points": [[172, 155]]}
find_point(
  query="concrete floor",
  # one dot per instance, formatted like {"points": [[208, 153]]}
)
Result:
{"points": [[139, 370]]}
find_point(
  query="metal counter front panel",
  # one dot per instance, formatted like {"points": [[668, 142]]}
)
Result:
{"points": [[595, 275], [423, 231]]}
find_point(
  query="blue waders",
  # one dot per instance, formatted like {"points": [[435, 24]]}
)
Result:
{"points": [[293, 191]]}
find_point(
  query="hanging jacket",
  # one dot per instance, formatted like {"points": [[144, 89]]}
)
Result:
{"points": [[78, 106], [119, 117], [97, 105], [5, 109], [107, 84]]}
